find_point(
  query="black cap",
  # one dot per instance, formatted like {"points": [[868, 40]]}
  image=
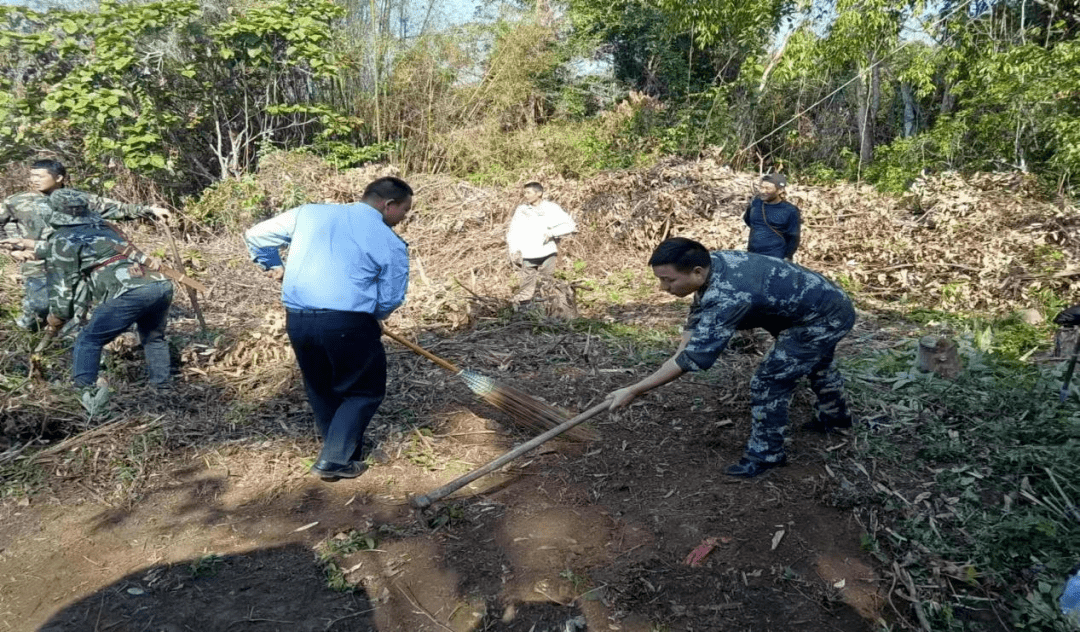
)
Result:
{"points": [[778, 179]]}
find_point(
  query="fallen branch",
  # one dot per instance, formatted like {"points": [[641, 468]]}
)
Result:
{"points": [[914, 597], [83, 437]]}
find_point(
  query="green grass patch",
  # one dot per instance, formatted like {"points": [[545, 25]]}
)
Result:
{"points": [[331, 553], [207, 565], [1008, 337]]}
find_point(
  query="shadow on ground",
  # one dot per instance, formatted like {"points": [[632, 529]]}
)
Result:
{"points": [[279, 589]]}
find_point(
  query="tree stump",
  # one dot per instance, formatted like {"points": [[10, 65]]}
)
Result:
{"points": [[938, 356]]}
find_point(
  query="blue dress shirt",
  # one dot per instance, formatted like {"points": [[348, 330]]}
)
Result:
{"points": [[341, 257]]}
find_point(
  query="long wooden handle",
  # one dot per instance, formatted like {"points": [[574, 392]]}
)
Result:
{"points": [[425, 501], [449, 366], [179, 262]]}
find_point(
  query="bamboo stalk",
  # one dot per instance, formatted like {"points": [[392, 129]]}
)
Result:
{"points": [[420, 350]]}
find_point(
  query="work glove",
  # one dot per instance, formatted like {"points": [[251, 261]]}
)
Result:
{"points": [[161, 213]]}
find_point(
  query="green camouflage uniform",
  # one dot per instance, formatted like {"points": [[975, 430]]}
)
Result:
{"points": [[80, 252], [23, 216]]}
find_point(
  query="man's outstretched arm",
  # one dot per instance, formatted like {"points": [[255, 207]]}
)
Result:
{"points": [[668, 371]]}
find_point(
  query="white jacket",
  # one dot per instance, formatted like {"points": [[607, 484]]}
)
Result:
{"points": [[533, 229]]}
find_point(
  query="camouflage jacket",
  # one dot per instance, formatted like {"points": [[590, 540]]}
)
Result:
{"points": [[746, 290], [81, 254], [22, 216]]}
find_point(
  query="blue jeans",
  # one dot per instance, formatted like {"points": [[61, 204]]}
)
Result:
{"points": [[147, 306], [343, 362]]}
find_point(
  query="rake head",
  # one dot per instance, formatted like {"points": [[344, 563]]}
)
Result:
{"points": [[524, 409]]}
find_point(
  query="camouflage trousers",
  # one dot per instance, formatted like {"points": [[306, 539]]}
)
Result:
{"points": [[35, 303], [799, 351], [533, 272]]}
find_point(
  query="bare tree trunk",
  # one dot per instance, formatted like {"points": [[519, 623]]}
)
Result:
{"points": [[947, 100], [939, 356], [865, 96], [911, 111], [375, 67]]}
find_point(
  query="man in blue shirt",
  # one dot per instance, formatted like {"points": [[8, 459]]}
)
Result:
{"points": [[775, 224], [347, 270], [805, 312]]}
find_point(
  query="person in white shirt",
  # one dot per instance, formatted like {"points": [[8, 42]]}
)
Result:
{"points": [[533, 239]]}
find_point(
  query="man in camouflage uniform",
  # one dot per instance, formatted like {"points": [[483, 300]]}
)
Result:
{"points": [[81, 252], [21, 217], [805, 312]]}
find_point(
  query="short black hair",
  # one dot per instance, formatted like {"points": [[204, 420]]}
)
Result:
{"points": [[54, 167], [388, 188], [680, 253], [534, 185]]}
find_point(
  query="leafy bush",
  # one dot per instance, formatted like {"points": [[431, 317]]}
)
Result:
{"points": [[998, 512], [165, 88], [231, 205]]}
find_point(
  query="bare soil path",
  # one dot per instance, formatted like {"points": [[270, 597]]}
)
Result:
{"points": [[571, 537]]}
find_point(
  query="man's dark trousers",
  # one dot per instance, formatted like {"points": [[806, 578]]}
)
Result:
{"points": [[344, 366], [147, 306]]}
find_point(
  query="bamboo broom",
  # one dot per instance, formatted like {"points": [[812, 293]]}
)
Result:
{"points": [[524, 409]]}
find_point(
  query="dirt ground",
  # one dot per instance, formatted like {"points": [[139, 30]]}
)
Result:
{"points": [[193, 509], [571, 537]]}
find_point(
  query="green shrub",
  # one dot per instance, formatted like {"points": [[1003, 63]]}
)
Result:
{"points": [[230, 205], [997, 454]]}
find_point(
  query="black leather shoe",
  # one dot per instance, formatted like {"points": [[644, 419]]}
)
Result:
{"points": [[746, 468], [333, 471], [824, 427]]}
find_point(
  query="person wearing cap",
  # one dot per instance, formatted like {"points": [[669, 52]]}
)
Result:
{"points": [[81, 253], [774, 222], [21, 217], [806, 313], [533, 239], [347, 270]]}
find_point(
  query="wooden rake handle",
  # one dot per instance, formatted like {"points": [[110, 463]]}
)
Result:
{"points": [[424, 501], [415, 348]]}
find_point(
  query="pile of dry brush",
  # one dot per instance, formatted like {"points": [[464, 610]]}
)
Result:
{"points": [[982, 244]]}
